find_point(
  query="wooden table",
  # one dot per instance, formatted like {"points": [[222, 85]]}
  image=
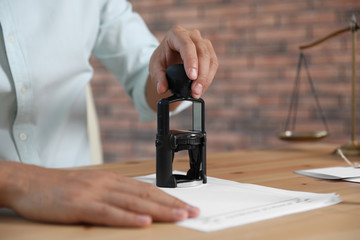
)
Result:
{"points": [[271, 167]]}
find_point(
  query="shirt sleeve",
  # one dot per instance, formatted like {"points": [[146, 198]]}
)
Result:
{"points": [[124, 45]]}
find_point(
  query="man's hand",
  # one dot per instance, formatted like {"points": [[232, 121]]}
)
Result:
{"points": [[182, 46], [86, 196]]}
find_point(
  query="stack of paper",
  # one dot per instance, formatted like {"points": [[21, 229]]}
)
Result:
{"points": [[225, 204], [350, 174]]}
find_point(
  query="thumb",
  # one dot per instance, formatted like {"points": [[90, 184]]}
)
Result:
{"points": [[158, 77]]}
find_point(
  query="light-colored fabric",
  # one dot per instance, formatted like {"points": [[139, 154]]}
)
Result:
{"points": [[45, 48], [93, 128]]}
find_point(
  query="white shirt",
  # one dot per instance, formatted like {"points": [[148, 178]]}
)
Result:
{"points": [[45, 46]]}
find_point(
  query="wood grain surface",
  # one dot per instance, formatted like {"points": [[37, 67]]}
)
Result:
{"points": [[268, 167]]}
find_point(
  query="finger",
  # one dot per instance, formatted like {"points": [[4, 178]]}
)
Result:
{"points": [[157, 211], [154, 194], [207, 65], [149, 191], [104, 214], [157, 70], [214, 65], [161, 82], [180, 41]]}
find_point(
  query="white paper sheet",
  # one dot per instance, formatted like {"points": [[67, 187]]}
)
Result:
{"points": [[337, 173], [225, 204]]}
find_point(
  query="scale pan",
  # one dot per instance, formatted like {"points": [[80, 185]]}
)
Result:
{"points": [[302, 136]]}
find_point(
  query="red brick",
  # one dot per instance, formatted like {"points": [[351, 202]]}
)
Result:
{"points": [[226, 11], [257, 45], [313, 17], [245, 23], [182, 13], [339, 5], [273, 61], [280, 34], [280, 7]]}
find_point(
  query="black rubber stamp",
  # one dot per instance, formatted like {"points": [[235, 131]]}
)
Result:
{"points": [[168, 142]]}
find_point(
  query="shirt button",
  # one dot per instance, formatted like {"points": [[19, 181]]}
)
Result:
{"points": [[23, 90], [11, 38], [23, 136]]}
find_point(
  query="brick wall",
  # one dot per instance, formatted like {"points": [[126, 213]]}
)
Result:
{"points": [[257, 46]]}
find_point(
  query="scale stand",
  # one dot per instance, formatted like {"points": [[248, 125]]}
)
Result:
{"points": [[352, 148]]}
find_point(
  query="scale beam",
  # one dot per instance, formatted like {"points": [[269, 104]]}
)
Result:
{"points": [[331, 35]]}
